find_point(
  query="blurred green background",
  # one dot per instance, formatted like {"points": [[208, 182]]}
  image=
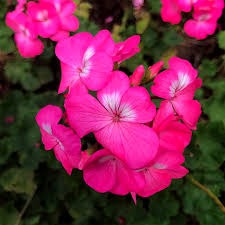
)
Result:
{"points": [[36, 190]]}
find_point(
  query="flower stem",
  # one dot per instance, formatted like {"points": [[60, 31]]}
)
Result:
{"points": [[19, 218], [208, 192]]}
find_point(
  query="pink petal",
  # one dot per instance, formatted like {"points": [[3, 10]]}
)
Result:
{"points": [[189, 110], [163, 82], [60, 35], [72, 49], [48, 139], [135, 78], [70, 23], [50, 114], [104, 42], [68, 149], [111, 95], [28, 47], [136, 144], [185, 5], [170, 12], [48, 28], [98, 71], [86, 114], [150, 181], [141, 109], [100, 171]]}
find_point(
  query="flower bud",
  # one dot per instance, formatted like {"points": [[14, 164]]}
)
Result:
{"points": [[136, 77], [154, 70]]}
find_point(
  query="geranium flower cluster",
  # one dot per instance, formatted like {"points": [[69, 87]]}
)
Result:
{"points": [[205, 15], [52, 19], [142, 147]]}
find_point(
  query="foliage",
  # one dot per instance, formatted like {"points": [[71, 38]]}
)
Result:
{"points": [[28, 85]]}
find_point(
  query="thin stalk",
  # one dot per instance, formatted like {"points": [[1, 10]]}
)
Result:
{"points": [[208, 192]]}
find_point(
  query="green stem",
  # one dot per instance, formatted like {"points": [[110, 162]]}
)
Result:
{"points": [[208, 192], [19, 218]]}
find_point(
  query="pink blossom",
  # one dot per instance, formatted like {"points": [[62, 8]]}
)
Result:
{"points": [[135, 78], [138, 4], [85, 60], [117, 120], [205, 16], [185, 5], [104, 172], [67, 21], [66, 144], [26, 34], [9, 119], [125, 50], [45, 17], [177, 85], [170, 11], [173, 135], [154, 70]]}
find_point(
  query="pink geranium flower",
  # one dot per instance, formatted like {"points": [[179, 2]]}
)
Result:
{"points": [[45, 18], [177, 85], [104, 172], [66, 144], [85, 60], [173, 135], [25, 34], [117, 120], [125, 50], [67, 21], [205, 16], [170, 11]]}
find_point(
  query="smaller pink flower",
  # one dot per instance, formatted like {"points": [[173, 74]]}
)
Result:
{"points": [[205, 16], [45, 18], [9, 119], [26, 34], [86, 61], [154, 70], [125, 50], [178, 85], [67, 21], [135, 78], [170, 11], [66, 144], [138, 4]]}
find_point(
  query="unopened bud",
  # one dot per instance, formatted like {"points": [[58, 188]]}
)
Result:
{"points": [[154, 70], [136, 77], [138, 4]]}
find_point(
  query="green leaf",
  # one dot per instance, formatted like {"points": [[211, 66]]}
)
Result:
{"points": [[18, 180], [208, 68], [8, 214], [142, 23], [221, 39]]}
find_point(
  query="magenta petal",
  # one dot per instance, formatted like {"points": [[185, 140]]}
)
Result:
{"points": [[60, 35], [139, 102], [100, 171], [68, 149], [136, 144], [28, 47], [86, 114], [98, 74], [48, 140], [150, 181], [70, 23], [72, 49], [189, 110], [111, 95]]}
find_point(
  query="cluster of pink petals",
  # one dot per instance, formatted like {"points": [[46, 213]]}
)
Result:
{"points": [[142, 147], [47, 18], [205, 15]]}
